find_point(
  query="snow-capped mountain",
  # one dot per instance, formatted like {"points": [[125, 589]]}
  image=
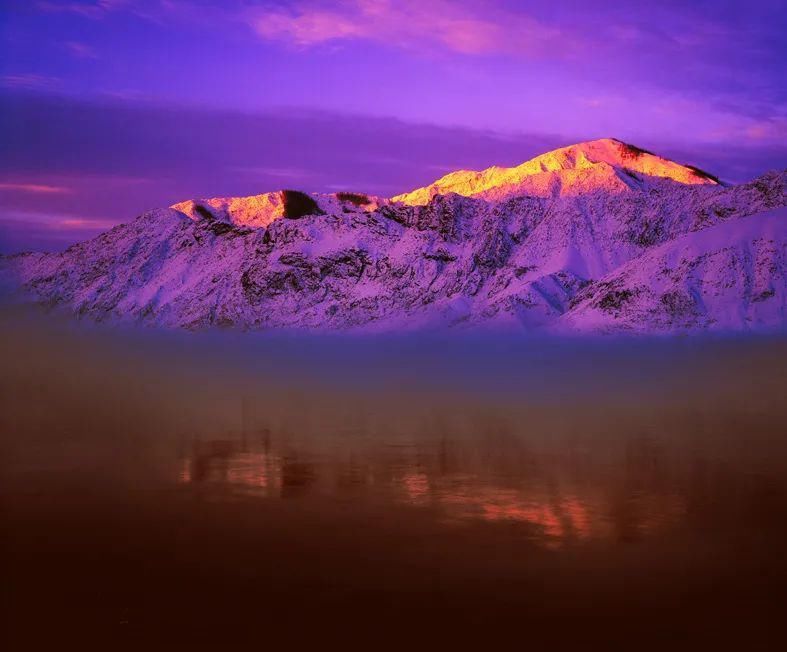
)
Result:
{"points": [[597, 237]]}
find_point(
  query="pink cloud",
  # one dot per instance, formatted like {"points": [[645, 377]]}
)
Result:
{"points": [[80, 223], [771, 129], [35, 188], [463, 27]]}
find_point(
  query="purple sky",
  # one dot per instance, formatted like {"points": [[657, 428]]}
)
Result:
{"points": [[109, 107]]}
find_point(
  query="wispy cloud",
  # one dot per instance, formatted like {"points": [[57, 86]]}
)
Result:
{"points": [[30, 81], [94, 9], [25, 230], [80, 50], [150, 10], [35, 188], [279, 172], [768, 130], [462, 27], [78, 223]]}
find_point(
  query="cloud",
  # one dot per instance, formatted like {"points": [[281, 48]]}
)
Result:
{"points": [[768, 130], [30, 81], [46, 231], [462, 27], [94, 9], [725, 55], [36, 188], [149, 10], [79, 223], [80, 50], [284, 173]]}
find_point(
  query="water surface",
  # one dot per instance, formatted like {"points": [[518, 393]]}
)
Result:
{"points": [[187, 490]]}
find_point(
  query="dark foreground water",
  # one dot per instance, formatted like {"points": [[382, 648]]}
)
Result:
{"points": [[215, 491]]}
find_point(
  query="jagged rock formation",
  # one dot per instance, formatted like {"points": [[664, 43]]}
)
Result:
{"points": [[598, 237]]}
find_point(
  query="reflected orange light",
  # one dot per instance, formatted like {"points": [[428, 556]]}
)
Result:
{"points": [[553, 517]]}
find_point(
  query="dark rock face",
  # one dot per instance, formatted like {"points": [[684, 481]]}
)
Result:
{"points": [[614, 299], [355, 198], [299, 204], [677, 304]]}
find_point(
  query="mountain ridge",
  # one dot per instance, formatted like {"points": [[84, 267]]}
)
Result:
{"points": [[595, 161], [548, 249]]}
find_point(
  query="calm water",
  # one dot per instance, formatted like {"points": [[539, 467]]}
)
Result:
{"points": [[197, 491]]}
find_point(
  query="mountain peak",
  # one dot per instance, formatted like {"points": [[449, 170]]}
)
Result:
{"points": [[606, 164]]}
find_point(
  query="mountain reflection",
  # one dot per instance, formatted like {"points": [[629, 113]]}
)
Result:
{"points": [[556, 499]]}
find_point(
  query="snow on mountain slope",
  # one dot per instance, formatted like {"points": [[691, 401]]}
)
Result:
{"points": [[732, 277], [607, 164], [352, 262]]}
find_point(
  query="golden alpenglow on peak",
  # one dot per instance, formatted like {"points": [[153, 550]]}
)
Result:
{"points": [[606, 164]]}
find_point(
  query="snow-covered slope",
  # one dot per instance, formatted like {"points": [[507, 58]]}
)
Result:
{"points": [[732, 276], [595, 237]]}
